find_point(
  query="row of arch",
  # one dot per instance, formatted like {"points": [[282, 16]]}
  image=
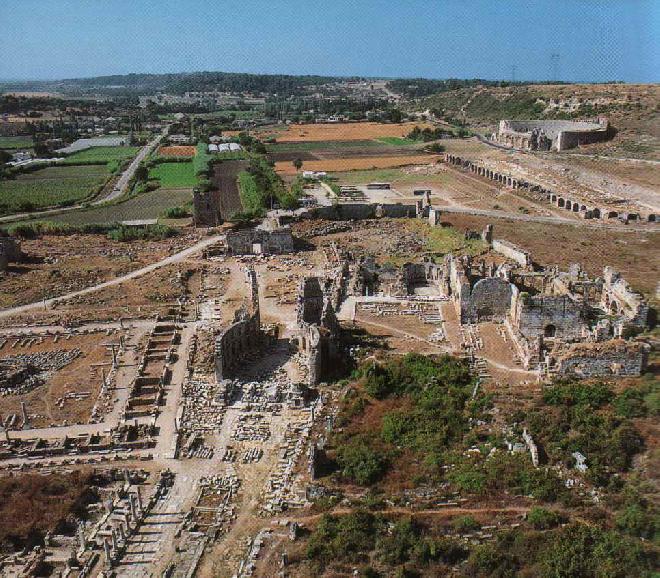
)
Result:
{"points": [[560, 201]]}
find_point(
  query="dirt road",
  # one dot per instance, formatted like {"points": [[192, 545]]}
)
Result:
{"points": [[180, 256]]}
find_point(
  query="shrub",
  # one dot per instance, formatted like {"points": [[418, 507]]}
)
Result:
{"points": [[176, 213], [346, 537], [542, 519], [466, 524], [360, 461]]}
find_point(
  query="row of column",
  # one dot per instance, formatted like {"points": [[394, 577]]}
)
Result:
{"points": [[553, 198]]}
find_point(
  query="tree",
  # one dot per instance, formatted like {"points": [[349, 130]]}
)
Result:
{"points": [[5, 157], [141, 173], [298, 163]]}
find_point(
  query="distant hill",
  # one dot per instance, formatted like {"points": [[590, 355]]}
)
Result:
{"points": [[175, 83]]}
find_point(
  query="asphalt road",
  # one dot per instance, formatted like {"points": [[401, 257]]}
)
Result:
{"points": [[118, 190]]}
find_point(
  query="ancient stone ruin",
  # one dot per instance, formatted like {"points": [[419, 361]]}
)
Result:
{"points": [[260, 241], [243, 336], [10, 252], [317, 326], [545, 135]]}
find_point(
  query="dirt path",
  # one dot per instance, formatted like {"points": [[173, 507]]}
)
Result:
{"points": [[180, 256], [449, 511]]}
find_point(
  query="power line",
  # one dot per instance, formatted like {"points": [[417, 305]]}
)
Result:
{"points": [[554, 59]]}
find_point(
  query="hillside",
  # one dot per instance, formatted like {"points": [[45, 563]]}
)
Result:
{"points": [[177, 83], [632, 110]]}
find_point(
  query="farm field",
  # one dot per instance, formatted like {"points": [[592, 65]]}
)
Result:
{"points": [[177, 151], [149, 205], [51, 186], [398, 141], [345, 132], [319, 145], [225, 176], [356, 163], [174, 175], [15, 142], [101, 154]]}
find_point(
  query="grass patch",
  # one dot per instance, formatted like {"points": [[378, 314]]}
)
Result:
{"points": [[101, 155], [33, 504], [443, 240], [149, 205], [51, 186], [15, 142], [177, 175], [397, 141], [320, 145]]}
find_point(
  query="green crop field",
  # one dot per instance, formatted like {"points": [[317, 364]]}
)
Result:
{"points": [[50, 186], [15, 142], [320, 145], [395, 176], [174, 175], [102, 154], [149, 205], [398, 141]]}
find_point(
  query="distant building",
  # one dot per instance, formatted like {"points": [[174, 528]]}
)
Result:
{"points": [[179, 139]]}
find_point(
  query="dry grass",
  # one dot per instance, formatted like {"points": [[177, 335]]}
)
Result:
{"points": [[33, 504], [83, 374], [633, 253]]}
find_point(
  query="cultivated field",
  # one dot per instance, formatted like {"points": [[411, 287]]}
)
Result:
{"points": [[51, 186], [174, 175], [102, 154], [177, 151], [225, 180], [151, 205], [344, 132], [356, 163], [15, 142]]}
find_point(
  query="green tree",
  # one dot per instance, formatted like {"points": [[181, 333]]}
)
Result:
{"points": [[298, 163]]}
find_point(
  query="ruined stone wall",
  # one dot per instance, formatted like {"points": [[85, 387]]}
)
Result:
{"points": [[490, 298], [513, 252], [397, 211], [362, 211], [619, 299], [251, 241], [615, 357], [459, 286], [552, 315], [10, 252], [243, 336], [318, 329], [310, 301]]}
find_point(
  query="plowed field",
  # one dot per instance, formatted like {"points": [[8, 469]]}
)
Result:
{"points": [[349, 131], [177, 151]]}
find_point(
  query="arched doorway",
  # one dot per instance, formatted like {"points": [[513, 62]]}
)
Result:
{"points": [[549, 331]]}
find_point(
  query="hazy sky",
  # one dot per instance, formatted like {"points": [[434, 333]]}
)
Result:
{"points": [[596, 40]]}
